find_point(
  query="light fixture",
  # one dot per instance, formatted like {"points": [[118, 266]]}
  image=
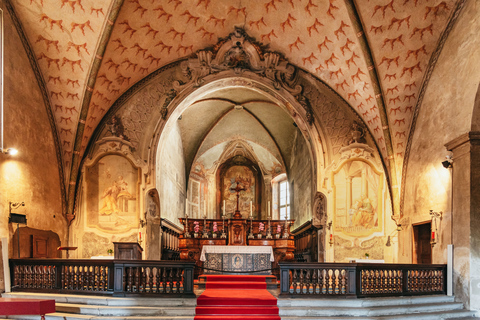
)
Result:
{"points": [[389, 242], [10, 151], [434, 215], [447, 163]]}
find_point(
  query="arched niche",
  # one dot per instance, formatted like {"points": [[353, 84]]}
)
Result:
{"points": [[242, 173]]}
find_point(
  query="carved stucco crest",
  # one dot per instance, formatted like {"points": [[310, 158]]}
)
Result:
{"points": [[241, 53]]}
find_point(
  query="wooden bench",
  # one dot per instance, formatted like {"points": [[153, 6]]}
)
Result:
{"points": [[15, 306]]}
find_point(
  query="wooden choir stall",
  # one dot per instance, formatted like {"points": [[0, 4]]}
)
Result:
{"points": [[226, 245]]}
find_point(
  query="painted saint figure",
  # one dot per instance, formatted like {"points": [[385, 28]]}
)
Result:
{"points": [[112, 194]]}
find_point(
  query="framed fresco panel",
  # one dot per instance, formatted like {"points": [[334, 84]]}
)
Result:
{"points": [[112, 194], [358, 201]]}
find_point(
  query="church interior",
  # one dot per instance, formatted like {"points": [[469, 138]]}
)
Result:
{"points": [[332, 131]]}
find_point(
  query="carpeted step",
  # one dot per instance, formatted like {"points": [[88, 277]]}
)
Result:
{"points": [[239, 310], [242, 317], [236, 285], [236, 278], [245, 297]]}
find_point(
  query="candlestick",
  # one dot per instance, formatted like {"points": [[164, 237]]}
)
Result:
{"points": [[186, 234], [285, 230], [269, 233], [205, 232], [250, 235], [224, 235]]}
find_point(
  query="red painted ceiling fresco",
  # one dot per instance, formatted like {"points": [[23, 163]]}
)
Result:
{"points": [[318, 36]]}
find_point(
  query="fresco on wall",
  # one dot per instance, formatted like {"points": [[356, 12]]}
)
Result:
{"points": [[358, 199], [113, 193], [242, 177]]}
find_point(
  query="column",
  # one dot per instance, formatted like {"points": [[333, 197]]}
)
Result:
{"points": [[466, 218]]}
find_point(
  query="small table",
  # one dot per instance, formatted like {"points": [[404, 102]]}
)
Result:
{"points": [[15, 306]]}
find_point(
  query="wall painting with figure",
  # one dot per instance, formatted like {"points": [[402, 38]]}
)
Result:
{"points": [[112, 187], [244, 178], [358, 189]]}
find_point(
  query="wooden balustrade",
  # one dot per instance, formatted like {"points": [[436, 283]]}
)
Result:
{"points": [[361, 279], [117, 277]]}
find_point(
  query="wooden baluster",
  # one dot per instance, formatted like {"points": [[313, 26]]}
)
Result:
{"points": [[302, 282], [309, 282], [91, 283], [81, 279], [18, 276], [170, 281], [178, 280], [164, 280], [129, 279], [294, 281], [321, 280], [157, 280], [316, 289], [343, 284], [99, 279]]}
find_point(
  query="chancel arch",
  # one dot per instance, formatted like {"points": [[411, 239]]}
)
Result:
{"points": [[194, 120]]}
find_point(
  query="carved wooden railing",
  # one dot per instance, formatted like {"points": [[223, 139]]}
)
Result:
{"points": [[361, 279], [109, 277]]}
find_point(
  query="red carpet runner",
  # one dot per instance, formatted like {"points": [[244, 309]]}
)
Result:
{"points": [[236, 297]]}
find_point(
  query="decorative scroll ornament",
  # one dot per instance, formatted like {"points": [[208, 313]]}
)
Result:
{"points": [[240, 53], [307, 106], [170, 96]]}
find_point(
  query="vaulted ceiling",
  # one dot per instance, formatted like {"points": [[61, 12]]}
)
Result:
{"points": [[376, 54]]}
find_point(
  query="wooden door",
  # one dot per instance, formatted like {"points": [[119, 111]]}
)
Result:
{"points": [[422, 250]]}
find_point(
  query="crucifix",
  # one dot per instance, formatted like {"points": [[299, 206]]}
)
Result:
{"points": [[237, 189]]}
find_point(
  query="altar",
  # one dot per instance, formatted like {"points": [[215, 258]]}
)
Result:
{"points": [[238, 259], [232, 245]]}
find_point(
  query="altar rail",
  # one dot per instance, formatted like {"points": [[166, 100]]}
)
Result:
{"points": [[361, 279], [103, 277]]}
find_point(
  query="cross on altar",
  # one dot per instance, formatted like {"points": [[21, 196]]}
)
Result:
{"points": [[237, 189]]}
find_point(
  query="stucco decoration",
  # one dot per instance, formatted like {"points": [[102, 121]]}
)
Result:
{"points": [[320, 210], [347, 250], [358, 189], [241, 53], [96, 245], [112, 184]]}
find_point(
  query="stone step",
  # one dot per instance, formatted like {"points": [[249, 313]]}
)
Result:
{"points": [[305, 301], [124, 310], [105, 300], [453, 315], [369, 311], [69, 316]]}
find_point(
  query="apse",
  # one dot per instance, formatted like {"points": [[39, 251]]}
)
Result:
{"points": [[230, 137]]}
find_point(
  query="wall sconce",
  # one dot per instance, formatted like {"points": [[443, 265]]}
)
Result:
{"points": [[329, 226], [389, 242], [9, 151], [448, 162], [434, 215]]}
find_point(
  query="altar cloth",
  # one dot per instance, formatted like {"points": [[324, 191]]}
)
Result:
{"points": [[237, 249]]}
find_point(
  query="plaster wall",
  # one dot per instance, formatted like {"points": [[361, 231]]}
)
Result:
{"points": [[171, 178], [300, 179], [445, 114], [31, 176]]}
